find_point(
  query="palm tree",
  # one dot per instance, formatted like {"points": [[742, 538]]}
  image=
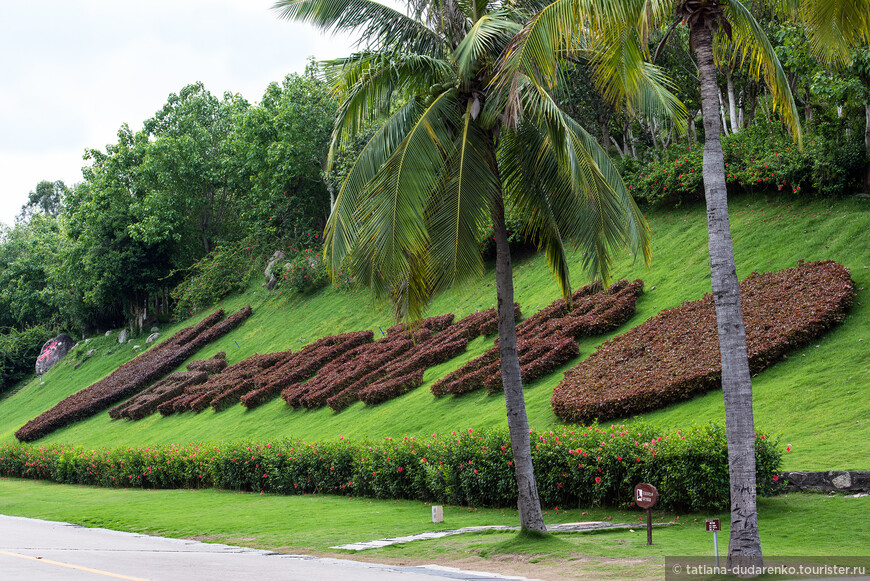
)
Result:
{"points": [[620, 33], [443, 165]]}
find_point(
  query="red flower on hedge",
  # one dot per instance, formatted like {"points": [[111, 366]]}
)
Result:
{"points": [[597, 479]]}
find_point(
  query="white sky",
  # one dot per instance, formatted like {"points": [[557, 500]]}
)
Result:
{"points": [[73, 71]]}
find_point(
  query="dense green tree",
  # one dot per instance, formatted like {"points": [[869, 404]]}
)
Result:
{"points": [[28, 257], [185, 194], [46, 199], [280, 149], [108, 273], [443, 165]]}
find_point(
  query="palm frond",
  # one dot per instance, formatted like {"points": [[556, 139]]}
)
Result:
{"points": [[342, 228], [489, 35], [528, 168], [367, 84], [749, 39], [380, 27], [834, 26], [589, 202], [393, 240], [459, 209]]}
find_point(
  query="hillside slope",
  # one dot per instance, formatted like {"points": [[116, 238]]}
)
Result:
{"points": [[816, 400]]}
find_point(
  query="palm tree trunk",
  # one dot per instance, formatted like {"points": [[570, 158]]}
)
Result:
{"points": [[745, 545], [867, 145], [528, 502]]}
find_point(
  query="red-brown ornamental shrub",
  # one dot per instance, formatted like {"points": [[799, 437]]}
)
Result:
{"points": [[133, 376], [547, 339], [675, 355]]}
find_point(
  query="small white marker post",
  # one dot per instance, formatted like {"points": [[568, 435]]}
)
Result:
{"points": [[714, 525], [437, 514]]}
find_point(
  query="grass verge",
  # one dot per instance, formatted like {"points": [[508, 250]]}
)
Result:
{"points": [[791, 525]]}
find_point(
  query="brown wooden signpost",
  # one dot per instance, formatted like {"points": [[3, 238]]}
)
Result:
{"points": [[646, 496]]}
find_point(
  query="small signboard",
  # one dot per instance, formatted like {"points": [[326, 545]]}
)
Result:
{"points": [[645, 495], [714, 525]]}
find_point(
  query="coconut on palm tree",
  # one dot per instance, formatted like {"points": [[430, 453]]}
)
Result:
{"points": [[443, 165]]}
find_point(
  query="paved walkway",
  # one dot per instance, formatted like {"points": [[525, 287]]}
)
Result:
{"points": [[38, 550], [574, 526]]}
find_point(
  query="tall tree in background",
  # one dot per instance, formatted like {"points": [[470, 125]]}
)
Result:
{"points": [[443, 165], [280, 146], [46, 199], [185, 193], [620, 31]]}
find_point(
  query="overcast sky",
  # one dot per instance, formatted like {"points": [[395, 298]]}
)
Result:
{"points": [[73, 71]]}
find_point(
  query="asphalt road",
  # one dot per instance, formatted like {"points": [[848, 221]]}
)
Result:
{"points": [[37, 550]]}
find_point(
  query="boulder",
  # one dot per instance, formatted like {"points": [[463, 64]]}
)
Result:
{"points": [[90, 353], [152, 337], [155, 329], [53, 351], [122, 336], [108, 333], [277, 257]]}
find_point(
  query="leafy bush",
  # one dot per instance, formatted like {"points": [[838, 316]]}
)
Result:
{"points": [[762, 157], [305, 272], [675, 355], [674, 178], [18, 353], [575, 466], [215, 276]]}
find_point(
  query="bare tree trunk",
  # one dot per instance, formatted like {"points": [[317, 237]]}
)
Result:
{"points": [[723, 127], [630, 137], [732, 104], [745, 544], [528, 502], [618, 149]]}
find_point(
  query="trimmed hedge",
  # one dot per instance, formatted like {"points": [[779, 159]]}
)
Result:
{"points": [[133, 376], [675, 355], [575, 466], [547, 339]]}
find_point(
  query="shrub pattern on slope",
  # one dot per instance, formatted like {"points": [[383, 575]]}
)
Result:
{"points": [[146, 401], [549, 338], [574, 466], [675, 355], [337, 370], [133, 376]]}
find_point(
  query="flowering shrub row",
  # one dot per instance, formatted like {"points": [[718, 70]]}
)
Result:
{"points": [[133, 376], [761, 157], [575, 466], [675, 355], [548, 339]]}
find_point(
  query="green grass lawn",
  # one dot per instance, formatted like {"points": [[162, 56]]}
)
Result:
{"points": [[815, 400], [790, 525]]}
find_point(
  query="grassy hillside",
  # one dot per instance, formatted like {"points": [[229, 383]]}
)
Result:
{"points": [[816, 400]]}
